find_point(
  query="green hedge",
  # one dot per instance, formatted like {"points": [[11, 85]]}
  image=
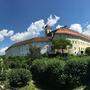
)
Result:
{"points": [[60, 74], [76, 72], [16, 62], [18, 77], [87, 51], [2, 75]]}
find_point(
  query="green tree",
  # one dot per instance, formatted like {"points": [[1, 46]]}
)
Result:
{"points": [[34, 52], [61, 43]]}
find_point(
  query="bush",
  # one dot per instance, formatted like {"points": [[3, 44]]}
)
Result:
{"points": [[2, 71], [48, 72], [19, 77], [87, 51], [2, 75], [76, 72], [59, 74], [35, 52], [16, 62]]}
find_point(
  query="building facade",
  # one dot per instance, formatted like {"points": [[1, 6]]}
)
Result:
{"points": [[79, 42], [23, 48]]}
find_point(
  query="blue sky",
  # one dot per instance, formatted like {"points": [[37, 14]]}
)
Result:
{"points": [[17, 15]]}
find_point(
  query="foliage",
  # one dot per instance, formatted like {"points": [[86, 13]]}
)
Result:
{"points": [[2, 75], [76, 72], [61, 43], [34, 52], [87, 51], [31, 86], [16, 62], [60, 74], [2, 71], [48, 72], [18, 77]]}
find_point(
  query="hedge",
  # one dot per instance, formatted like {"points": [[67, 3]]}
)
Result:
{"points": [[59, 74], [87, 51], [18, 77]]}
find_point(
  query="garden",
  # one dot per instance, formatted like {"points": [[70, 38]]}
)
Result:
{"points": [[41, 72], [44, 73]]}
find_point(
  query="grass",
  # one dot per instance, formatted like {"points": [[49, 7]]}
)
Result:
{"points": [[80, 88], [31, 86]]}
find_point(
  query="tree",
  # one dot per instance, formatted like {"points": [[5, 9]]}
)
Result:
{"points": [[61, 43], [34, 52], [87, 51]]}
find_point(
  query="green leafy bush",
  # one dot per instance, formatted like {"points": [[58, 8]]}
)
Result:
{"points": [[60, 74], [16, 62], [19, 77], [2, 71], [34, 52], [87, 51], [2, 75], [48, 72], [76, 72]]}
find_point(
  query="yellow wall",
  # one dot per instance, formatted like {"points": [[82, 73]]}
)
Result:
{"points": [[78, 45]]}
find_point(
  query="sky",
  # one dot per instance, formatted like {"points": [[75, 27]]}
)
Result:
{"points": [[16, 16]]}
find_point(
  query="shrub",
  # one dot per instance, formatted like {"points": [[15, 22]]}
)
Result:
{"points": [[18, 77], [76, 72], [16, 62], [48, 72], [2, 71], [2, 75], [87, 51], [34, 52], [60, 74]]}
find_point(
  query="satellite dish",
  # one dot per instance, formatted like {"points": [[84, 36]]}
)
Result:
{"points": [[44, 49]]}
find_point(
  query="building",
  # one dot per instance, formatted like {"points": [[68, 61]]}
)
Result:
{"points": [[78, 40], [22, 48]]}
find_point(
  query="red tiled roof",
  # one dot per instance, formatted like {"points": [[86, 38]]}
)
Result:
{"points": [[58, 31], [67, 31], [71, 32], [36, 39]]}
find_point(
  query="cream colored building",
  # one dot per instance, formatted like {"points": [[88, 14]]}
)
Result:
{"points": [[78, 40]]}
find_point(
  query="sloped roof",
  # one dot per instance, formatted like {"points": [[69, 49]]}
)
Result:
{"points": [[57, 31], [71, 32], [36, 39]]}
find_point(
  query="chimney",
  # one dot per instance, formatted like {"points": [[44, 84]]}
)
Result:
{"points": [[47, 29]]}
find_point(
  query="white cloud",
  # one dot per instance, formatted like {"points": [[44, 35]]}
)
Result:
{"points": [[10, 33], [22, 36], [36, 26], [2, 50], [1, 37], [36, 29], [33, 31], [79, 28], [87, 30], [52, 20], [5, 33], [76, 27], [58, 26]]}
